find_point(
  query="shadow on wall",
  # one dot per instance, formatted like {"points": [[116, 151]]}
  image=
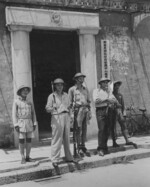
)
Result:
{"points": [[142, 40], [6, 135]]}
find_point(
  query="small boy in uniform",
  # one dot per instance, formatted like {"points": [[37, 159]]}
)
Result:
{"points": [[24, 121]]}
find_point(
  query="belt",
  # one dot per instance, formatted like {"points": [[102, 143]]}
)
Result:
{"points": [[64, 112], [79, 106], [24, 118]]}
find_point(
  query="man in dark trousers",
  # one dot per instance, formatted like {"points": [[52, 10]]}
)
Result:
{"points": [[118, 115], [105, 102]]}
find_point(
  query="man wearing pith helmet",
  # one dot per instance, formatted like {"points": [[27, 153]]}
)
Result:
{"points": [[58, 105], [118, 115], [104, 102], [80, 104]]}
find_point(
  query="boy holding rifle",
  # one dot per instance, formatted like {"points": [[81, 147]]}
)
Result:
{"points": [[80, 103]]}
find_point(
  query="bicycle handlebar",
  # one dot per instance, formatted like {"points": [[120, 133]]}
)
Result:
{"points": [[131, 108]]}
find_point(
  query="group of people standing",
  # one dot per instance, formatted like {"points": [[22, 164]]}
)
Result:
{"points": [[109, 109], [74, 106], [63, 107]]}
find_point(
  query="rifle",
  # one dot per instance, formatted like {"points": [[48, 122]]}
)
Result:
{"points": [[75, 132], [74, 137], [55, 101]]}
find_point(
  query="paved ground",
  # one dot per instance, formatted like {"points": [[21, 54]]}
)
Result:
{"points": [[12, 171], [10, 158], [133, 173]]}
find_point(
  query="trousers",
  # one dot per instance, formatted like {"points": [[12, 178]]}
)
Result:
{"points": [[104, 120], [81, 121], [60, 134], [118, 116]]}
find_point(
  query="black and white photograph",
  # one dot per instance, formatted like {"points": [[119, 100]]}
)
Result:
{"points": [[74, 93]]}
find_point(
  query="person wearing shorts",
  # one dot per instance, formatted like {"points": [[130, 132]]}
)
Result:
{"points": [[24, 121]]}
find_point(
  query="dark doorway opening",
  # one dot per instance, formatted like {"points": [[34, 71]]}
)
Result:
{"points": [[53, 54]]}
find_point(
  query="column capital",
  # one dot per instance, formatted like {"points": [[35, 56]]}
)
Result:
{"points": [[88, 30], [27, 28]]}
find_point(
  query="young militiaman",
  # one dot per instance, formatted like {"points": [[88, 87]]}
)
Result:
{"points": [[24, 122], [118, 115], [80, 104]]}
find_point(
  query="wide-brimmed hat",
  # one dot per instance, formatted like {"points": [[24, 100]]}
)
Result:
{"points": [[104, 79], [78, 75], [58, 81], [118, 82], [21, 87]]}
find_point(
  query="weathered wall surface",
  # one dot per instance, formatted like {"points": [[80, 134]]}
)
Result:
{"points": [[129, 59], [6, 85], [129, 56], [141, 53]]}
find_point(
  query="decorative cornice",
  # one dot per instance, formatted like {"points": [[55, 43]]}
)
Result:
{"points": [[118, 5], [26, 18]]}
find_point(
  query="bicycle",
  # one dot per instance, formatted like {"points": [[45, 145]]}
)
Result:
{"points": [[137, 123]]}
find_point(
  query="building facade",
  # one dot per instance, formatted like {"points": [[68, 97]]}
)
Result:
{"points": [[44, 39]]}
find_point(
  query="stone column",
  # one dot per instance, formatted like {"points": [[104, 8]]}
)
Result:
{"points": [[88, 67], [21, 56], [21, 61]]}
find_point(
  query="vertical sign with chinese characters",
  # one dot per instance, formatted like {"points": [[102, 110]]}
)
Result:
{"points": [[105, 58]]}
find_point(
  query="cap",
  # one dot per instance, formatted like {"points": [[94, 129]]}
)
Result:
{"points": [[104, 79], [78, 75], [58, 80], [118, 82], [21, 87]]}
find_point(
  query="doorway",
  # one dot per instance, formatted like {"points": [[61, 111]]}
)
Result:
{"points": [[53, 54]]}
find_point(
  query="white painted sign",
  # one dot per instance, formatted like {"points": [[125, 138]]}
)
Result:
{"points": [[105, 58]]}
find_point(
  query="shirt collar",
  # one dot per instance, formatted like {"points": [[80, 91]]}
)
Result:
{"points": [[100, 89], [55, 93], [21, 99], [81, 87]]}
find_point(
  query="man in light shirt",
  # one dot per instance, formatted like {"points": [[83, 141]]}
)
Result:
{"points": [[59, 106], [105, 102]]}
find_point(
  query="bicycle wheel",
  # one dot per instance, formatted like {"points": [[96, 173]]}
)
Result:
{"points": [[145, 125], [129, 128], [132, 127]]}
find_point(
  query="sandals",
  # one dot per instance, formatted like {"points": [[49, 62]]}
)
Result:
{"points": [[23, 161], [81, 153], [28, 159]]}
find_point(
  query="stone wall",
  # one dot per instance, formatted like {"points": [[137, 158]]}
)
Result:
{"points": [[140, 51], [129, 59], [6, 85], [129, 56]]}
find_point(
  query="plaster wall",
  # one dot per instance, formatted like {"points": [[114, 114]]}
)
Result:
{"points": [[129, 56], [6, 85]]}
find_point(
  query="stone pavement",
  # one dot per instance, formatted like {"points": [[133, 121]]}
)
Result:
{"points": [[12, 171]]}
